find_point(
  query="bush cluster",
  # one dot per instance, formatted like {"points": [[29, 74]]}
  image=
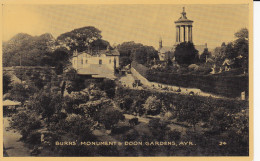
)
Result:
{"points": [[223, 119]]}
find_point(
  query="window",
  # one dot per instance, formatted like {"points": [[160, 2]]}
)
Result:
{"points": [[86, 61], [100, 61], [81, 61], [109, 61]]}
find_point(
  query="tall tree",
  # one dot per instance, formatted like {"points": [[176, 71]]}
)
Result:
{"points": [[6, 82], [130, 51], [185, 53], [206, 54], [79, 39], [26, 50], [241, 48]]}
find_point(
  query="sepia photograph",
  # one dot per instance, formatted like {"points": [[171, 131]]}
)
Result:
{"points": [[126, 80]]}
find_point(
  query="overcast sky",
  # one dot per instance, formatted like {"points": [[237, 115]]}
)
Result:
{"points": [[213, 24]]}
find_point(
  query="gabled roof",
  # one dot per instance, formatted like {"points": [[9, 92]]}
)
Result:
{"points": [[97, 71], [165, 49], [114, 52]]}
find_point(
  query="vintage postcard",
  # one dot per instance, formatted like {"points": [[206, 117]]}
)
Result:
{"points": [[158, 79]]}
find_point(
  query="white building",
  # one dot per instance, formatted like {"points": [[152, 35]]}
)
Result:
{"points": [[101, 64]]}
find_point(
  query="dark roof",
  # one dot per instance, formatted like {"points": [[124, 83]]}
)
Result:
{"points": [[114, 52], [183, 20]]}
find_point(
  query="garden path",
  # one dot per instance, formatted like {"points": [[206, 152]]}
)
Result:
{"points": [[128, 80], [14, 147]]}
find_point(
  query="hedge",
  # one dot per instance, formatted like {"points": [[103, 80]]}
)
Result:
{"points": [[140, 68], [219, 84], [229, 86]]}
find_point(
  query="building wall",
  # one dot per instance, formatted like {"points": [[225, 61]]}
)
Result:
{"points": [[83, 60]]}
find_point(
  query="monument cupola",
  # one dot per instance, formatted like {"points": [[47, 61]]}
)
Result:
{"points": [[183, 28]]}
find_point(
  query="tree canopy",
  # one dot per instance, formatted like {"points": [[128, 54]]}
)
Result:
{"points": [[81, 39], [237, 50], [185, 53], [131, 51], [206, 54], [30, 50], [6, 82]]}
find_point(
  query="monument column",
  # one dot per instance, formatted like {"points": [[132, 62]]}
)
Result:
{"points": [[191, 33], [181, 34], [177, 36], [184, 33]]}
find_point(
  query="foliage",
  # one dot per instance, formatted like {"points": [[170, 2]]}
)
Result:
{"points": [[59, 58], [237, 51], [158, 128], [21, 92], [185, 53], [131, 51], [99, 44], [45, 104], [79, 39], [124, 60], [73, 100], [36, 76], [242, 34], [30, 50], [109, 117], [226, 120], [78, 125], [108, 86], [25, 122], [217, 84], [152, 105], [205, 55], [74, 85], [140, 68], [6, 82]]}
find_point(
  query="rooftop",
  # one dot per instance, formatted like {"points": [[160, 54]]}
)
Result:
{"points": [[114, 52], [97, 71], [183, 17], [165, 49]]}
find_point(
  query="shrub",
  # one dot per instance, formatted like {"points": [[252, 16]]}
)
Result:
{"points": [[25, 122], [6, 82], [21, 92], [152, 105], [133, 121], [34, 138], [45, 104], [110, 117]]}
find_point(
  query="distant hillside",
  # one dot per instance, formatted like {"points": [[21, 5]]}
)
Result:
{"points": [[32, 49]]}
